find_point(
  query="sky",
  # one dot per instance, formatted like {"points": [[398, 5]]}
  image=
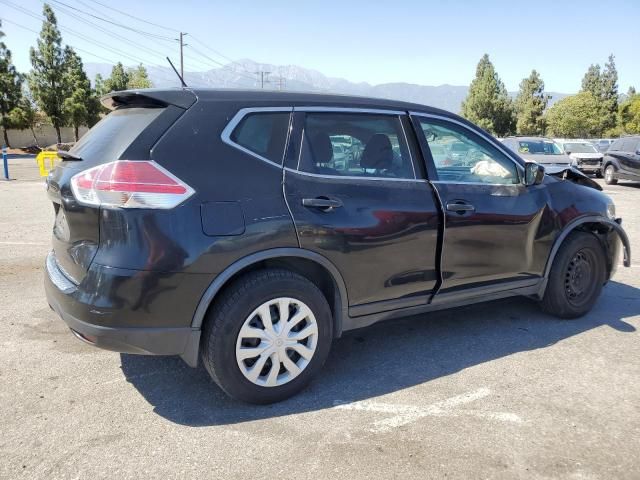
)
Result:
{"points": [[423, 42]]}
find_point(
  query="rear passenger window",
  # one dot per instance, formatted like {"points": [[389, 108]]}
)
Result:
{"points": [[263, 133], [355, 144], [629, 145], [616, 146]]}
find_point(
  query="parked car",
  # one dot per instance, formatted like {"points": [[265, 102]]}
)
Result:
{"points": [[603, 144], [540, 150], [585, 157], [622, 160], [214, 225]]}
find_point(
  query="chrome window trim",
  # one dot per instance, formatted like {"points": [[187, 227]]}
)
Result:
{"points": [[452, 182], [497, 144], [225, 136], [348, 110], [350, 177]]}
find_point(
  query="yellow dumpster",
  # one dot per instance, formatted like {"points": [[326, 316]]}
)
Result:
{"points": [[46, 161]]}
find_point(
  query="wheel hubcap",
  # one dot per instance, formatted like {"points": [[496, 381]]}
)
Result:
{"points": [[276, 342], [579, 277]]}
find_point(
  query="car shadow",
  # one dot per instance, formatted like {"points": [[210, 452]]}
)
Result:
{"points": [[381, 359]]}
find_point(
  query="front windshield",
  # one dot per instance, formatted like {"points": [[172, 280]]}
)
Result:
{"points": [[541, 147], [580, 148]]}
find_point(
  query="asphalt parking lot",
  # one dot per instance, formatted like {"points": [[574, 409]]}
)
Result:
{"points": [[497, 390]]}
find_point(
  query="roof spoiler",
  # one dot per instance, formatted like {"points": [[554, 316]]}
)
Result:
{"points": [[149, 97]]}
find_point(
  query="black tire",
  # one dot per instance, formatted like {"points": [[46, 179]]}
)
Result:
{"points": [[576, 278], [227, 316], [598, 174], [610, 175]]}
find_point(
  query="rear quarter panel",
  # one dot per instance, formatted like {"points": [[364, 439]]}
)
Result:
{"points": [[175, 240]]}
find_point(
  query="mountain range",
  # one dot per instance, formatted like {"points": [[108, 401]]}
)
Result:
{"points": [[242, 74]]}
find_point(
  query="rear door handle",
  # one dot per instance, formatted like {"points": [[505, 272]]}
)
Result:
{"points": [[323, 203], [460, 207]]}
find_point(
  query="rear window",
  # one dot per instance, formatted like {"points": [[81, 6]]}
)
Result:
{"points": [[111, 136], [263, 133]]}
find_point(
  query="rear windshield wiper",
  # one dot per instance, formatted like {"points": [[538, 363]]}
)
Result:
{"points": [[69, 156]]}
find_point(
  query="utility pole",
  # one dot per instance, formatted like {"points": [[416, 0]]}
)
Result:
{"points": [[182, 45], [262, 74]]}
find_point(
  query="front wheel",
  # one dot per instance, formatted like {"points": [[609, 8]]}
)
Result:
{"points": [[267, 336], [576, 278], [610, 175]]}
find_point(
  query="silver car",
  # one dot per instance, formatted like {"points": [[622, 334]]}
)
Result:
{"points": [[585, 157], [540, 150]]}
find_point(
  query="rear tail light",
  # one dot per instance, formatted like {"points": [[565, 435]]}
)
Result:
{"points": [[129, 184]]}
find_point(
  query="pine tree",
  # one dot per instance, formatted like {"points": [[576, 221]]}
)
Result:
{"points": [[118, 80], [138, 78], [603, 85], [609, 97], [488, 103], [10, 87], [79, 106], [99, 85], [592, 81], [530, 105], [47, 80]]}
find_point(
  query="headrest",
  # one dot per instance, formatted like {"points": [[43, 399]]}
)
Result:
{"points": [[321, 147], [378, 153]]}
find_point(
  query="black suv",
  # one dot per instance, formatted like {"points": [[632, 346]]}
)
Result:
{"points": [[223, 225], [622, 160]]}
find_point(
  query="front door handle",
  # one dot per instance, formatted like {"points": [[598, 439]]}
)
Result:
{"points": [[460, 207], [323, 203]]}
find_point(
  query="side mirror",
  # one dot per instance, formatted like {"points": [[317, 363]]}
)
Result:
{"points": [[533, 173], [568, 152]]}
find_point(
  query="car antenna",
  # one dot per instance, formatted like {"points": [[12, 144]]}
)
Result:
{"points": [[184, 85]]}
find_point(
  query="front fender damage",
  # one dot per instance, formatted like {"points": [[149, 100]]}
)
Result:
{"points": [[573, 175]]}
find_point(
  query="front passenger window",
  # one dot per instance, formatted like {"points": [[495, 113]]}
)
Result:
{"points": [[355, 144], [461, 156]]}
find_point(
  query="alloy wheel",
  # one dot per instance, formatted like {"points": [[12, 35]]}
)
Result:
{"points": [[276, 342]]}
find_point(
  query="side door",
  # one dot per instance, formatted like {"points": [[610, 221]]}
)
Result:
{"points": [[492, 221], [632, 152], [369, 211]]}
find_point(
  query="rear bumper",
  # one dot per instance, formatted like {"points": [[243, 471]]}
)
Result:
{"points": [[66, 299]]}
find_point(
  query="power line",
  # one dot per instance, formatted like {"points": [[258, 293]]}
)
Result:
{"points": [[121, 38], [134, 17], [38, 33], [204, 55], [81, 36], [247, 73], [221, 55], [141, 32]]}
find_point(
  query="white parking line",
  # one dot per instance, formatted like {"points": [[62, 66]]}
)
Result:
{"points": [[406, 414]]}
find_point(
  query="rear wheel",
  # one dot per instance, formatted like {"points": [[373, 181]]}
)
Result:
{"points": [[267, 336], [576, 278], [610, 175]]}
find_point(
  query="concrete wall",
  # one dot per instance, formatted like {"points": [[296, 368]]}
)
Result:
{"points": [[45, 134]]}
